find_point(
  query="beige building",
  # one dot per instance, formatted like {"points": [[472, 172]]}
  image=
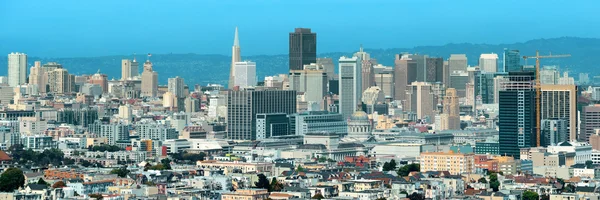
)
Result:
{"points": [[312, 81], [230, 166], [420, 100], [60, 81], [149, 81], [455, 163], [560, 101], [35, 76], [450, 118], [129, 69], [246, 194]]}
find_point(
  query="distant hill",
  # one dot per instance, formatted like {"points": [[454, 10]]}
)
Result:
{"points": [[204, 69]]}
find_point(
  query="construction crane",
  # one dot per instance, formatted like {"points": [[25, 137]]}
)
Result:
{"points": [[538, 88]]}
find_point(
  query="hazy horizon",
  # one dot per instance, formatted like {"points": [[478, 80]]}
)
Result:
{"points": [[72, 28]]}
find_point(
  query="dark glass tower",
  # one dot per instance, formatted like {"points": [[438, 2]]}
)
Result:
{"points": [[517, 114], [512, 61], [303, 48]]}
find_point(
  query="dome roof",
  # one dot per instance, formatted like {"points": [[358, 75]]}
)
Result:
{"points": [[359, 115]]}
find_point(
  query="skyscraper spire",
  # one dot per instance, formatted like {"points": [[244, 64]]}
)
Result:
{"points": [[361, 48], [236, 40]]}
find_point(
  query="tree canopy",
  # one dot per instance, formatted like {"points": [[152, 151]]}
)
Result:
{"points": [[11, 179], [104, 147], [121, 172], [406, 169], [530, 195], [262, 182], [389, 166]]}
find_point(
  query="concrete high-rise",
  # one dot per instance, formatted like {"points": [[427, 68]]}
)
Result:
{"points": [[312, 81], [421, 70], [245, 74], [244, 105], [328, 67], [350, 85], [517, 114], [457, 62], [435, 70], [384, 79], [512, 61], [590, 120], [451, 113], [176, 86], [17, 69], [554, 131], [420, 100], [405, 72], [59, 81], [149, 80], [560, 102], [488, 62], [303, 48], [366, 68], [129, 69], [35, 76], [235, 57]]}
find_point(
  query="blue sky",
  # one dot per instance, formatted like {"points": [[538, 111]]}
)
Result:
{"points": [[76, 28]]}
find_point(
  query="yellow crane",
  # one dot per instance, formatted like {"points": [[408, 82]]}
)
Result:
{"points": [[538, 89]]}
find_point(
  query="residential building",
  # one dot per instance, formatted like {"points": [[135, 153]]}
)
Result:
{"points": [[246, 194], [112, 132], [17, 69], [149, 81], [176, 86], [156, 131], [454, 162], [60, 81]]}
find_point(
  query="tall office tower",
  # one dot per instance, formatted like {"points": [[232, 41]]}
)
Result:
{"points": [[235, 57], [451, 114], [328, 67], [245, 74], [303, 48], [549, 75], [350, 85], [17, 69], [129, 69], [560, 102], [459, 81], [512, 61], [384, 79], [35, 76], [405, 72], [149, 80], [59, 81], [99, 79], [421, 74], [367, 68], [434, 70], [554, 131], [312, 81], [590, 120], [584, 78], [457, 62], [175, 86], [485, 86], [488, 62], [517, 115], [244, 105], [420, 100]]}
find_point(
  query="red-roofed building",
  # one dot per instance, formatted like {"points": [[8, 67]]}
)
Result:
{"points": [[5, 160]]}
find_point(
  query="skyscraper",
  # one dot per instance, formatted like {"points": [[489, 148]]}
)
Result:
{"points": [[457, 62], [235, 57], [303, 48], [512, 61], [35, 76], [517, 115], [244, 105], [420, 100], [554, 131], [176, 86], [434, 70], [17, 69], [350, 85], [560, 102], [384, 79], [129, 69], [245, 74], [405, 72], [450, 116], [149, 80], [488, 62], [366, 68], [312, 81], [59, 81], [328, 67], [590, 120], [421, 70]]}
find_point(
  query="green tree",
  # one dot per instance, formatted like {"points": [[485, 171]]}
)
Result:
{"points": [[121, 172], [494, 183], [159, 167], [545, 197], [42, 182], [275, 186], [166, 163], [416, 196], [322, 159], [389, 166], [406, 169], [263, 182], [59, 184], [482, 180], [11, 179], [299, 168], [96, 196], [589, 164], [318, 196], [530, 195]]}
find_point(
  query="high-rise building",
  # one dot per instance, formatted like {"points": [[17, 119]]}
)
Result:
{"points": [[60, 81], [549, 75], [485, 86], [328, 67], [245, 74], [384, 79], [272, 125], [554, 131], [235, 57], [129, 69], [560, 102], [244, 105], [420, 100], [367, 69], [459, 81], [421, 70], [435, 70], [451, 113], [350, 85], [590, 120], [584, 78], [156, 131], [457, 62], [517, 114], [512, 61], [176, 86], [17, 69], [35, 76], [149, 81], [405, 72], [312, 81], [112, 132], [99, 79], [488, 62], [303, 48]]}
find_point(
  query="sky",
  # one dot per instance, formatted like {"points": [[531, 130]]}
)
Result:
{"points": [[81, 28]]}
